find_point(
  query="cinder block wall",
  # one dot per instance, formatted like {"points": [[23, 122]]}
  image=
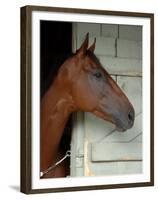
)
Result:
{"points": [[119, 47]]}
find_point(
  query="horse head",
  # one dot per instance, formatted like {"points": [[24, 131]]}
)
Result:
{"points": [[91, 88]]}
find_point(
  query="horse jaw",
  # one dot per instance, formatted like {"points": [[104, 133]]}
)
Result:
{"points": [[102, 115], [105, 117]]}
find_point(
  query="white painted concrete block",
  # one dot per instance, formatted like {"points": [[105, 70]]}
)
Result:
{"points": [[116, 168], [104, 46], [129, 49], [83, 28], [121, 66], [130, 32], [125, 151], [109, 30], [96, 128]]}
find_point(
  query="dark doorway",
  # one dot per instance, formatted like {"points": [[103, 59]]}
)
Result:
{"points": [[55, 47]]}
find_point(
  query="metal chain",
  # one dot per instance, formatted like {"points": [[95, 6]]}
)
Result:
{"points": [[68, 154]]}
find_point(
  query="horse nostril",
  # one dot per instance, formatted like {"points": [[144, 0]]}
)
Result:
{"points": [[131, 116]]}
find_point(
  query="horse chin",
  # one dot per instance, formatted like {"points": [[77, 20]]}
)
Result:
{"points": [[120, 129], [119, 125]]}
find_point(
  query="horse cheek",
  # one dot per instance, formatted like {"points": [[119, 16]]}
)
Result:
{"points": [[83, 98]]}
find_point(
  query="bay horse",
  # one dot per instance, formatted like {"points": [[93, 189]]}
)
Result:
{"points": [[81, 84]]}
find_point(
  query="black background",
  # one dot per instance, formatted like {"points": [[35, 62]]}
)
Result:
{"points": [[55, 47]]}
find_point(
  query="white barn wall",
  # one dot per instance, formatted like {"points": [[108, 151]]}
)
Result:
{"points": [[122, 58]]}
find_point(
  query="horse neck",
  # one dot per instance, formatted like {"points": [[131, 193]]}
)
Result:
{"points": [[56, 107]]}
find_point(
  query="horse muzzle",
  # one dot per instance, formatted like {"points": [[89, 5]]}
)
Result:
{"points": [[124, 121]]}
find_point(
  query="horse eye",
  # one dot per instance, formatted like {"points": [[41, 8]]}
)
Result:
{"points": [[98, 75]]}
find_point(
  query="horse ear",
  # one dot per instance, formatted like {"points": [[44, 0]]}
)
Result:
{"points": [[92, 47], [83, 48]]}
